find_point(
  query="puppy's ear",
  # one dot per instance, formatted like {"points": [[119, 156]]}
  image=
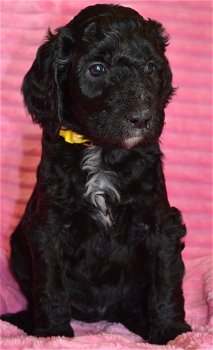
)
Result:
{"points": [[42, 85], [167, 89], [158, 33]]}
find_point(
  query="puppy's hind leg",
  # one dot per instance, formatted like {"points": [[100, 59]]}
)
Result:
{"points": [[21, 267], [22, 319], [21, 262]]}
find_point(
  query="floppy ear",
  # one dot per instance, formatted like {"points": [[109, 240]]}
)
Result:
{"points": [[159, 35], [167, 89], [157, 31], [42, 85]]}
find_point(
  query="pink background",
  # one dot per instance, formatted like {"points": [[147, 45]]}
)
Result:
{"points": [[186, 143]]}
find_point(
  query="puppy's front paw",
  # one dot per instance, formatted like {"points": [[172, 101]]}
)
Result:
{"points": [[65, 331], [162, 335]]}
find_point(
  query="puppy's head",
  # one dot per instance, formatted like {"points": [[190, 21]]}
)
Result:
{"points": [[104, 75]]}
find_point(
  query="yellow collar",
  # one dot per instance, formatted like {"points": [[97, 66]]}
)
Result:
{"points": [[72, 136]]}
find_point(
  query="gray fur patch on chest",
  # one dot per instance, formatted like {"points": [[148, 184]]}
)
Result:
{"points": [[100, 183]]}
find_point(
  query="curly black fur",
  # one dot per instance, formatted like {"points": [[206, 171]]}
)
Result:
{"points": [[99, 240]]}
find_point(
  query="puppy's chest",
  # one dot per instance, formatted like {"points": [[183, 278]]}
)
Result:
{"points": [[101, 187], [114, 180]]}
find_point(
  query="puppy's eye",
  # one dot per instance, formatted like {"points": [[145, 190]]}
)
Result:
{"points": [[97, 70], [149, 68]]}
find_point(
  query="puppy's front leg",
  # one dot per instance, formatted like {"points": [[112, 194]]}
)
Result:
{"points": [[51, 309], [166, 305]]}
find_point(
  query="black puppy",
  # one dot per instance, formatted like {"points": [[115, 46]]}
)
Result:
{"points": [[99, 240]]}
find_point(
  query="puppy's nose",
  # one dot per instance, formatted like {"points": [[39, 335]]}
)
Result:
{"points": [[139, 120]]}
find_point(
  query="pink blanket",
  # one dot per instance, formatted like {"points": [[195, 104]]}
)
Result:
{"points": [[106, 336], [186, 143]]}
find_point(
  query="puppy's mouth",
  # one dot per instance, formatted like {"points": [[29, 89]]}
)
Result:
{"points": [[132, 141], [137, 136]]}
